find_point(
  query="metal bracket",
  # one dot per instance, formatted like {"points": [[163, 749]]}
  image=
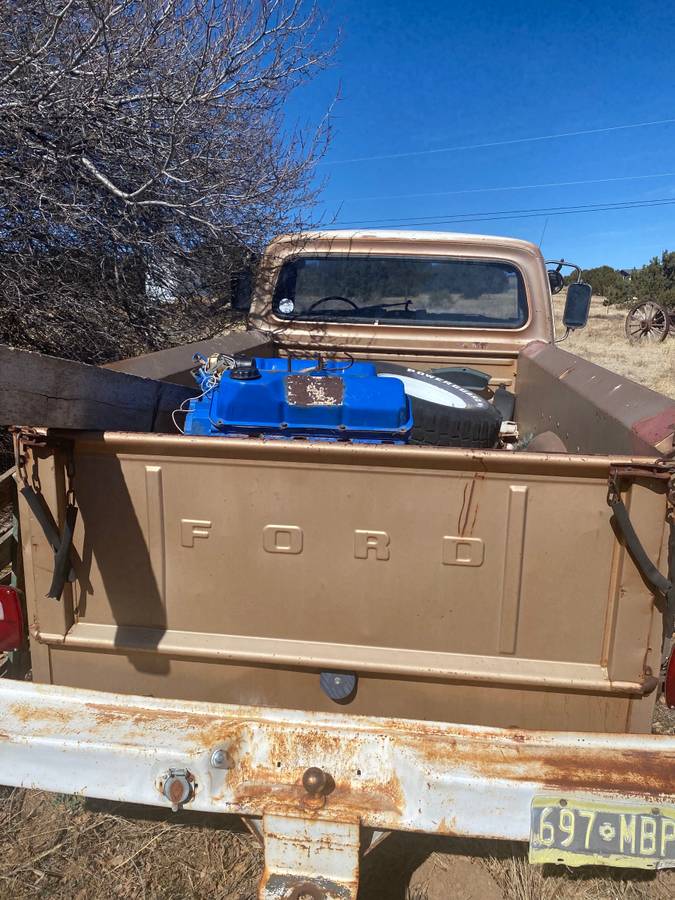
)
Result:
{"points": [[310, 858]]}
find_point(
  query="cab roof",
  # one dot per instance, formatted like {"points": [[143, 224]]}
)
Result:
{"points": [[389, 235]]}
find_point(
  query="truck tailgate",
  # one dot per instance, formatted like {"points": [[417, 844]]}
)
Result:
{"points": [[468, 586]]}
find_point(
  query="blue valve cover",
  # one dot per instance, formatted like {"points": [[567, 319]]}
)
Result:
{"points": [[341, 400]]}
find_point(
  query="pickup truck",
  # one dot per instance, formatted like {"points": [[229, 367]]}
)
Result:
{"points": [[445, 605]]}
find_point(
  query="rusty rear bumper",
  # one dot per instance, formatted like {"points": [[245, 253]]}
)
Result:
{"points": [[383, 774]]}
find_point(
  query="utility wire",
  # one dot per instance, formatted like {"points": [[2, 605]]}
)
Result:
{"points": [[526, 140], [513, 187], [497, 215]]}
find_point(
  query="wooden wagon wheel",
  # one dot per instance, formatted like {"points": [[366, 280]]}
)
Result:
{"points": [[647, 322]]}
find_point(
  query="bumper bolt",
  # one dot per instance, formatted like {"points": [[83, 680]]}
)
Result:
{"points": [[221, 759]]}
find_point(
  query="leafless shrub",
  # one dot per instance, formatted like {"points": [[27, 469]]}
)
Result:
{"points": [[143, 162]]}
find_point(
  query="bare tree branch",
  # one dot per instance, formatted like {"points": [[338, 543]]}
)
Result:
{"points": [[144, 161], [37, 51]]}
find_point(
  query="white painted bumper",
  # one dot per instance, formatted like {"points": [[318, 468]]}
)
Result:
{"points": [[383, 774]]}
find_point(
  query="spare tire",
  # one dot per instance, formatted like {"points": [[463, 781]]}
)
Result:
{"points": [[445, 414]]}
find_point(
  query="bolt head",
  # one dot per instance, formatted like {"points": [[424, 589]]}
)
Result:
{"points": [[221, 759]]}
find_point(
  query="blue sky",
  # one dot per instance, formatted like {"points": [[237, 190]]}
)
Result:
{"points": [[420, 76]]}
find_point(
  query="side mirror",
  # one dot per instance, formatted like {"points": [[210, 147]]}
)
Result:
{"points": [[577, 305]]}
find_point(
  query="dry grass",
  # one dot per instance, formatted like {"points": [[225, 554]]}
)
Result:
{"points": [[59, 847], [65, 847], [521, 881], [603, 342]]}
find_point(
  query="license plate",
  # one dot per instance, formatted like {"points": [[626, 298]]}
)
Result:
{"points": [[576, 832]]}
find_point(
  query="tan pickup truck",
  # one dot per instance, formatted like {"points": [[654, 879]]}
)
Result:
{"points": [[460, 628]]}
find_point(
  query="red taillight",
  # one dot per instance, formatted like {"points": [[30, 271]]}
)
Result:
{"points": [[670, 681], [11, 619]]}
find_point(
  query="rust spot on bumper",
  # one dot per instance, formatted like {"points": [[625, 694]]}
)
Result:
{"points": [[52, 718], [518, 758]]}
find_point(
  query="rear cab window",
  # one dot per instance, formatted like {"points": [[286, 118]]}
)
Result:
{"points": [[431, 291]]}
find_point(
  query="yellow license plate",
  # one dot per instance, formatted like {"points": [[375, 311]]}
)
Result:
{"points": [[575, 832]]}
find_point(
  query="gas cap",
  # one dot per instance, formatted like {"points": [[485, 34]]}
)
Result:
{"points": [[245, 369]]}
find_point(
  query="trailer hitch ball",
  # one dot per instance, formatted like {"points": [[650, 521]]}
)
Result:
{"points": [[317, 783], [314, 780]]}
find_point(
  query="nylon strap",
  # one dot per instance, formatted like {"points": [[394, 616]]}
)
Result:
{"points": [[649, 571], [60, 543]]}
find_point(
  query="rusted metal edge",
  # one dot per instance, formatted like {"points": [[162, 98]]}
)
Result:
{"points": [[660, 470], [387, 774], [319, 656], [310, 859]]}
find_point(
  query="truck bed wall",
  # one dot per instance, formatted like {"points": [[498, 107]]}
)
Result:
{"points": [[465, 586], [591, 409]]}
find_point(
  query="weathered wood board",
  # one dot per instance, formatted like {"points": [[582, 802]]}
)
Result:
{"points": [[48, 392]]}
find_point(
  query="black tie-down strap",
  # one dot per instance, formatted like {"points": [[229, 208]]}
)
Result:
{"points": [[661, 585], [61, 543]]}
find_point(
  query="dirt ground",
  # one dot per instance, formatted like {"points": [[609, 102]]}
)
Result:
{"points": [[61, 847]]}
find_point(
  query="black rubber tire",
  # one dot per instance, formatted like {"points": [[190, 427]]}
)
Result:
{"points": [[473, 424], [444, 426]]}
